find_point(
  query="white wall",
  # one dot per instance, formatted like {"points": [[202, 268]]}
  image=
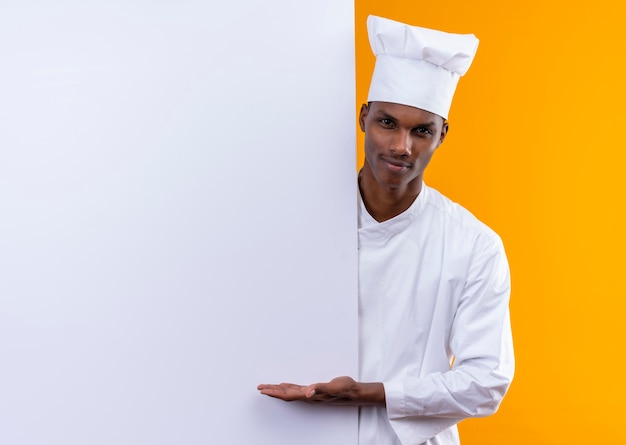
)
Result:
{"points": [[177, 220]]}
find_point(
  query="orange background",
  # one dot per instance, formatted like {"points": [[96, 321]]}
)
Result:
{"points": [[536, 150]]}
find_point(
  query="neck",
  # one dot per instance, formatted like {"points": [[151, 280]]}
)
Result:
{"points": [[383, 202]]}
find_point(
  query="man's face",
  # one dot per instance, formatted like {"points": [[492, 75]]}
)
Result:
{"points": [[399, 142]]}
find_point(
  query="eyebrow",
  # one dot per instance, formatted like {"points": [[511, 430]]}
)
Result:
{"points": [[383, 114]]}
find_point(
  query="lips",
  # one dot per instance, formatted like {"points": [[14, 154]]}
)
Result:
{"points": [[394, 165]]}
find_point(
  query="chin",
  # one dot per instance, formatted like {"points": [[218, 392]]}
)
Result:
{"points": [[396, 181], [393, 184]]}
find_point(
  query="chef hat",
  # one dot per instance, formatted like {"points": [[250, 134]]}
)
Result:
{"points": [[417, 66]]}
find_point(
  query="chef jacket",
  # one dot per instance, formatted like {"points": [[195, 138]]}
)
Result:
{"points": [[433, 321]]}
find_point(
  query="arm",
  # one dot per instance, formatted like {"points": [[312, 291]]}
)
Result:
{"points": [[339, 391], [422, 405]]}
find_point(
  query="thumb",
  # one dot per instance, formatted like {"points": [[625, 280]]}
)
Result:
{"points": [[310, 391]]}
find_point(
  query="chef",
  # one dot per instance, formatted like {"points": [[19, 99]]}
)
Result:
{"points": [[434, 333]]}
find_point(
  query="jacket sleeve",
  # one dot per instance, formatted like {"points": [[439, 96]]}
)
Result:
{"points": [[480, 340]]}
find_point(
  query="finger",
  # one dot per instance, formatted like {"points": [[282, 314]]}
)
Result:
{"points": [[275, 392], [285, 391], [310, 391], [322, 389], [274, 386]]}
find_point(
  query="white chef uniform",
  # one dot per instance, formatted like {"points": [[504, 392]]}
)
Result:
{"points": [[433, 288]]}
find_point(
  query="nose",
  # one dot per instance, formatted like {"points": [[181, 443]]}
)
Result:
{"points": [[401, 143]]}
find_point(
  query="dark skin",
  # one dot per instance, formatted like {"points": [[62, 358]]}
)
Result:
{"points": [[399, 143]]}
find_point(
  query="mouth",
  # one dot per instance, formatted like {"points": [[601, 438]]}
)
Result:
{"points": [[394, 165]]}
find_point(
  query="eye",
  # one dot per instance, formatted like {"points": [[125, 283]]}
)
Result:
{"points": [[386, 122], [425, 131]]}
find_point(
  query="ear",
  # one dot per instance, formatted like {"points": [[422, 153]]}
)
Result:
{"points": [[362, 115], [443, 134]]}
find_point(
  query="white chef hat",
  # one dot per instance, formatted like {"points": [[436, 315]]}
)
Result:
{"points": [[417, 66]]}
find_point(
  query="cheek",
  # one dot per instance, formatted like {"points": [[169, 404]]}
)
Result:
{"points": [[376, 141], [369, 147], [423, 157]]}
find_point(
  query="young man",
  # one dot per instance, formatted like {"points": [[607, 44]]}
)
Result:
{"points": [[434, 334]]}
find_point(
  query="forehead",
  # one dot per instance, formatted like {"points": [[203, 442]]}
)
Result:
{"points": [[403, 112]]}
